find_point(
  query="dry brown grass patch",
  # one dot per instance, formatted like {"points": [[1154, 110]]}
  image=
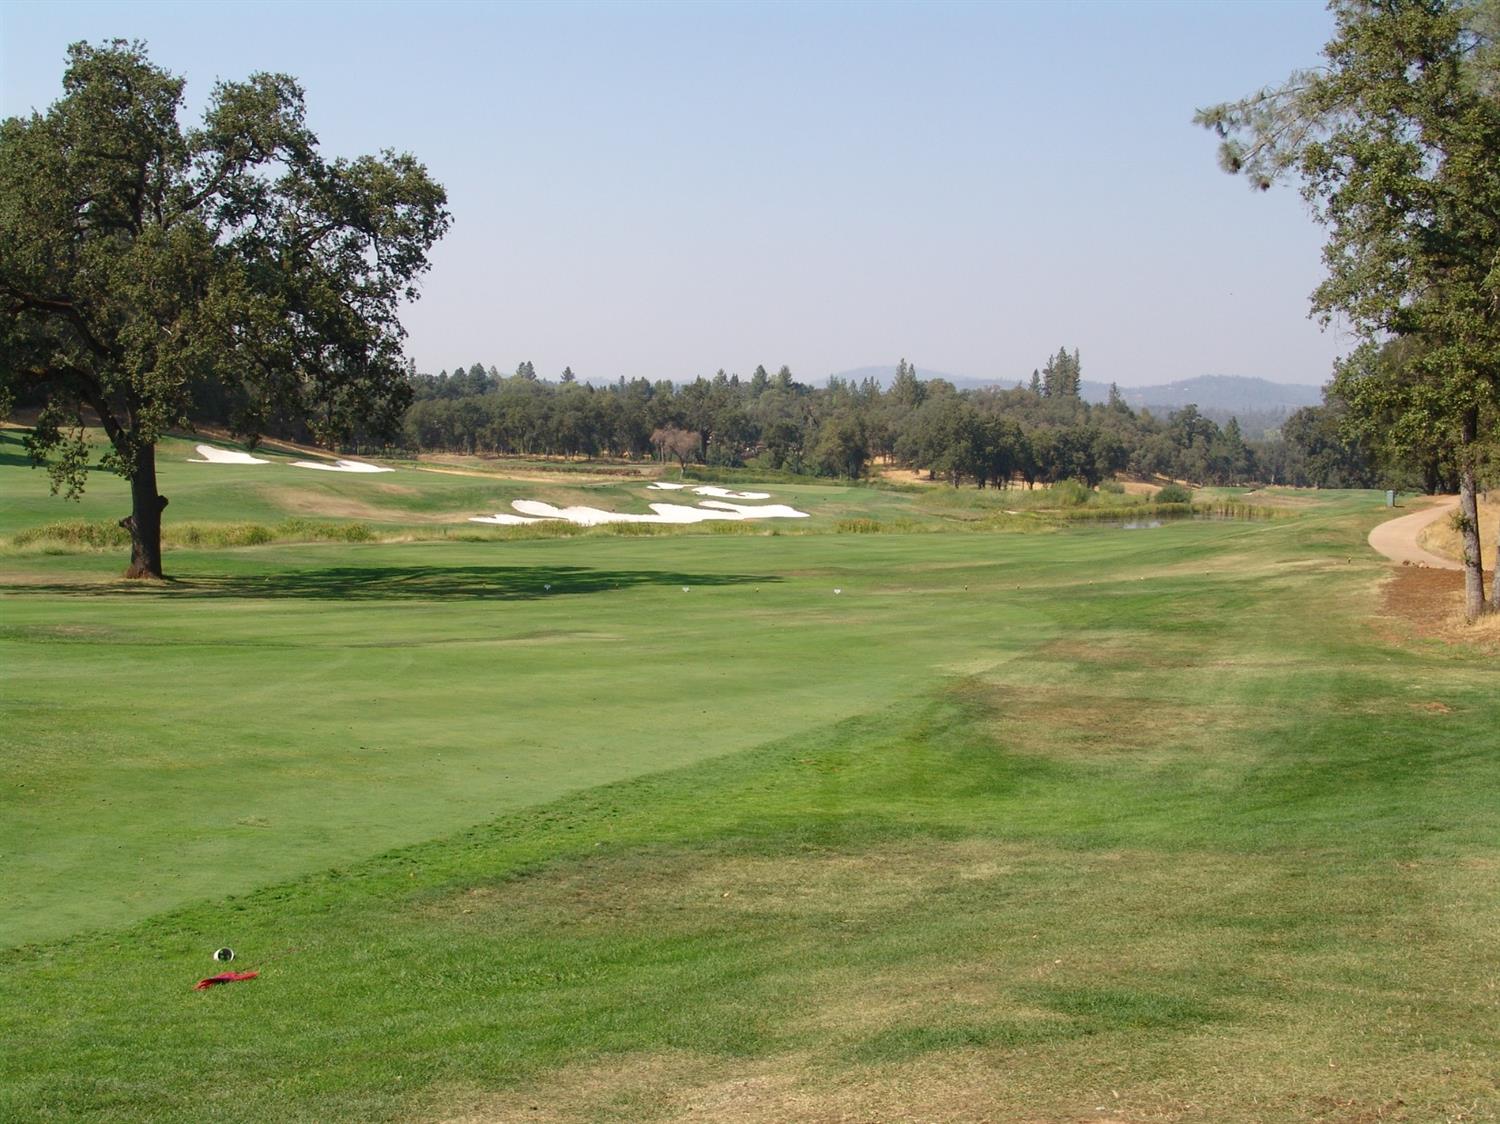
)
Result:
{"points": [[302, 502], [641, 888], [907, 476], [1441, 537], [1139, 919], [1112, 649], [1055, 722]]}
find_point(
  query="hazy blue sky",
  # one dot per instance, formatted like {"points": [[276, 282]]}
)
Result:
{"points": [[666, 189]]}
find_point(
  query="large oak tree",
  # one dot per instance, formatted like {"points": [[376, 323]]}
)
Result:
{"points": [[139, 258], [1396, 140]]}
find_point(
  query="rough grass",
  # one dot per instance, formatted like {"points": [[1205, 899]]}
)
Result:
{"points": [[1443, 536], [80, 534]]}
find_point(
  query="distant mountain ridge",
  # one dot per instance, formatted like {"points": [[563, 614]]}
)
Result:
{"points": [[1213, 392], [1219, 393]]}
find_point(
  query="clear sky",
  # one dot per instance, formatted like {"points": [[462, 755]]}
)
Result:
{"points": [[667, 189]]}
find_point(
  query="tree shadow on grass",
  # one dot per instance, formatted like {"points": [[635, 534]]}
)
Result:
{"points": [[401, 583]]}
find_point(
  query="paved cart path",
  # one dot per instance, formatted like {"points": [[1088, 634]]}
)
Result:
{"points": [[1397, 538]]}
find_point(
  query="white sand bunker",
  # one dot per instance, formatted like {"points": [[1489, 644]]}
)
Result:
{"points": [[534, 510], [726, 494], [342, 466], [756, 511], [710, 490], [209, 454]]}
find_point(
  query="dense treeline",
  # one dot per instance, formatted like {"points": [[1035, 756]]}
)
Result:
{"points": [[1037, 433]]}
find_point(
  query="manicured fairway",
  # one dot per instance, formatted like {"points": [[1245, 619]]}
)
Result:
{"points": [[304, 706], [1086, 825]]}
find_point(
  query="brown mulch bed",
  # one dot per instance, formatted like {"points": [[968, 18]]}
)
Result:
{"points": [[1429, 603]]}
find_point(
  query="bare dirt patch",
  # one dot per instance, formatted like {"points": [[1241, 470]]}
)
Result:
{"points": [[1433, 707]]}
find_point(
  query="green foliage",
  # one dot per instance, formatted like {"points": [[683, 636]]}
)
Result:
{"points": [[76, 533], [1111, 487], [1396, 140], [1062, 375], [843, 447], [140, 261], [1069, 493], [1173, 493], [1325, 455], [988, 438]]}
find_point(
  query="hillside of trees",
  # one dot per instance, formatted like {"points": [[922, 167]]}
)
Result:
{"points": [[1036, 433]]}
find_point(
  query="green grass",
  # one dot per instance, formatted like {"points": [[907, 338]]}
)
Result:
{"points": [[230, 505], [1016, 826]]}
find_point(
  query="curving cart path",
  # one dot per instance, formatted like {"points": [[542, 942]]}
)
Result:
{"points": [[1397, 538]]}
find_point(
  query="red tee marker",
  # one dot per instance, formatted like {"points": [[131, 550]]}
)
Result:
{"points": [[223, 978]]}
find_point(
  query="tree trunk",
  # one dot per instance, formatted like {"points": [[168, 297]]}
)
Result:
{"points": [[1468, 507], [144, 520], [1495, 579]]}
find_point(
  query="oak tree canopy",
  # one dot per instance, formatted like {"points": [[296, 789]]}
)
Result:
{"points": [[139, 259]]}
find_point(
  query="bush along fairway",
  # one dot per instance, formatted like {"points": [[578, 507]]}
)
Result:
{"points": [[1159, 824]]}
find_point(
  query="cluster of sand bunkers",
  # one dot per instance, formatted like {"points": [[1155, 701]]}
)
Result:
{"points": [[719, 506], [208, 454]]}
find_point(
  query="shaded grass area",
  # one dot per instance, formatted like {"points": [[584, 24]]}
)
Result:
{"points": [[403, 583]]}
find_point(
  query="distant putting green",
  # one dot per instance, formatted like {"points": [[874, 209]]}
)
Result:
{"points": [[1087, 824]]}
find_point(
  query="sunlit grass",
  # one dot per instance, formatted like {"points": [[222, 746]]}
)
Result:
{"points": [[743, 825]]}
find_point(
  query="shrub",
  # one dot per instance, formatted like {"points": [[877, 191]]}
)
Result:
{"points": [[631, 530], [1069, 493], [83, 535], [1173, 493], [76, 533], [1112, 487]]}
